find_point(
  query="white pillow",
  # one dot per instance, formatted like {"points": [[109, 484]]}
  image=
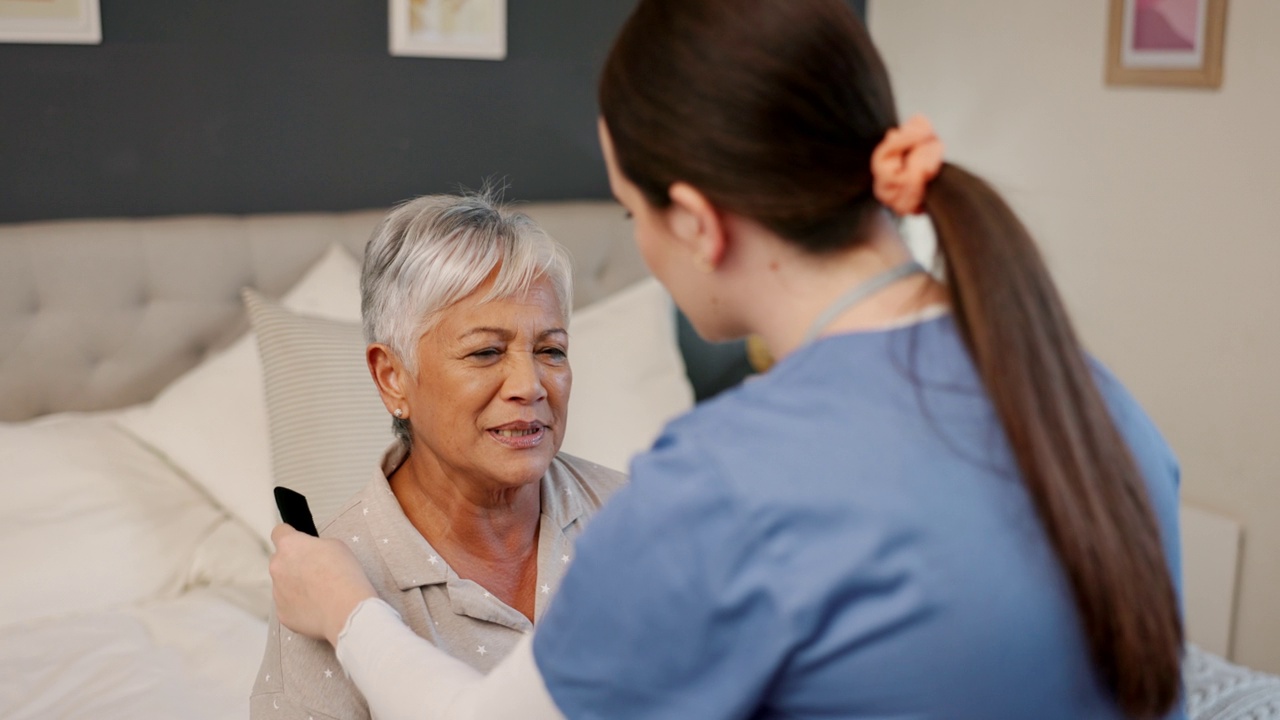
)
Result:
{"points": [[212, 421], [628, 376], [328, 426], [92, 519]]}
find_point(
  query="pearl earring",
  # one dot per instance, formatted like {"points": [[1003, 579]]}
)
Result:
{"points": [[398, 413]]}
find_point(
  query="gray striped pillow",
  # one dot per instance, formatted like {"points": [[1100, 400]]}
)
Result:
{"points": [[327, 424]]}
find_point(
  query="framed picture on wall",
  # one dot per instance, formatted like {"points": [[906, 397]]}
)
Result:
{"points": [[1166, 42], [475, 29], [50, 21]]}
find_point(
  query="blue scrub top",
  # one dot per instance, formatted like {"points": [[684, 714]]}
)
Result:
{"points": [[844, 537]]}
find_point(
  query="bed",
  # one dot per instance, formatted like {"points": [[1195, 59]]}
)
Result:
{"points": [[145, 415]]}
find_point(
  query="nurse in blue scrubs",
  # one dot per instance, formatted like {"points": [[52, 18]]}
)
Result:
{"points": [[935, 505]]}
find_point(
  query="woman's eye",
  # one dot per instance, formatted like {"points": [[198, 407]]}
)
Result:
{"points": [[487, 353], [554, 353]]}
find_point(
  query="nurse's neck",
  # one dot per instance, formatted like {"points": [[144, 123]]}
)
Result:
{"points": [[780, 290]]}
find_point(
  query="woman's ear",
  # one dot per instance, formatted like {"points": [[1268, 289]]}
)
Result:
{"points": [[696, 223], [390, 376]]}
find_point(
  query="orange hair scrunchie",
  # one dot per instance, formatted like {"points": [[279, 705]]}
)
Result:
{"points": [[903, 163]]}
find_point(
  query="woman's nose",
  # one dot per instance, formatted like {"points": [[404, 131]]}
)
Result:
{"points": [[524, 381]]}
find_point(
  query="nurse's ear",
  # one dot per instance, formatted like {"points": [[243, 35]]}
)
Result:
{"points": [[697, 225]]}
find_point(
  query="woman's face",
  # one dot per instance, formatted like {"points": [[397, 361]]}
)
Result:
{"points": [[490, 399]]}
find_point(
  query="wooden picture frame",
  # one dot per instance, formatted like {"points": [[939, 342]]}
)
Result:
{"points": [[1166, 42], [50, 21], [474, 29]]}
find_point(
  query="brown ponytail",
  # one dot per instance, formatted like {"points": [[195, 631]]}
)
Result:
{"points": [[1078, 470], [772, 109]]}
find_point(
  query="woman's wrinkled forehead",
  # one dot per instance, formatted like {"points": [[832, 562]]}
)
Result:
{"points": [[533, 311]]}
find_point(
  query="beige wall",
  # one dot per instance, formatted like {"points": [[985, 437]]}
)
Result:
{"points": [[1159, 213]]}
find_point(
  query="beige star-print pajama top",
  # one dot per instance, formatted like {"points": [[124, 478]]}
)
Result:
{"points": [[300, 678]]}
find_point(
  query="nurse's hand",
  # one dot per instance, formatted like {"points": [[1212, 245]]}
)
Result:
{"points": [[316, 583]]}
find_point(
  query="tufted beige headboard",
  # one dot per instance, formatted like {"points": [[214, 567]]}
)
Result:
{"points": [[98, 314]]}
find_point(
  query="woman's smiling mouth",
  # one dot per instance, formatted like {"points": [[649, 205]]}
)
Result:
{"points": [[519, 435]]}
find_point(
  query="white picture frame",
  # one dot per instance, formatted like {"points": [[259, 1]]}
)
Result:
{"points": [[471, 29], [76, 22]]}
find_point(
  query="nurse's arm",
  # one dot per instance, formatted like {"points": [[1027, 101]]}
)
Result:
{"points": [[403, 677]]}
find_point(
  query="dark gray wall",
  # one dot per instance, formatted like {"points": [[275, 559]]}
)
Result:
{"points": [[244, 105], [239, 106]]}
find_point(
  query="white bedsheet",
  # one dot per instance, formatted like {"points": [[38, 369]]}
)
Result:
{"points": [[193, 657], [127, 592]]}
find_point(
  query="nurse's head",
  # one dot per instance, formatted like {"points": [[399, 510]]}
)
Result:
{"points": [[768, 110]]}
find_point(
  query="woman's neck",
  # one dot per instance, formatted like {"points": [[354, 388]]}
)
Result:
{"points": [[488, 536]]}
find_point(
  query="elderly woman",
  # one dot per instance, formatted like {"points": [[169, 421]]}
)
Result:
{"points": [[467, 523]]}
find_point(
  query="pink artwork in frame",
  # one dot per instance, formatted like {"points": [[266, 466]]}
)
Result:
{"points": [[1166, 42]]}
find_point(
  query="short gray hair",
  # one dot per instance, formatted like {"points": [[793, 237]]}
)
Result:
{"points": [[430, 252]]}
